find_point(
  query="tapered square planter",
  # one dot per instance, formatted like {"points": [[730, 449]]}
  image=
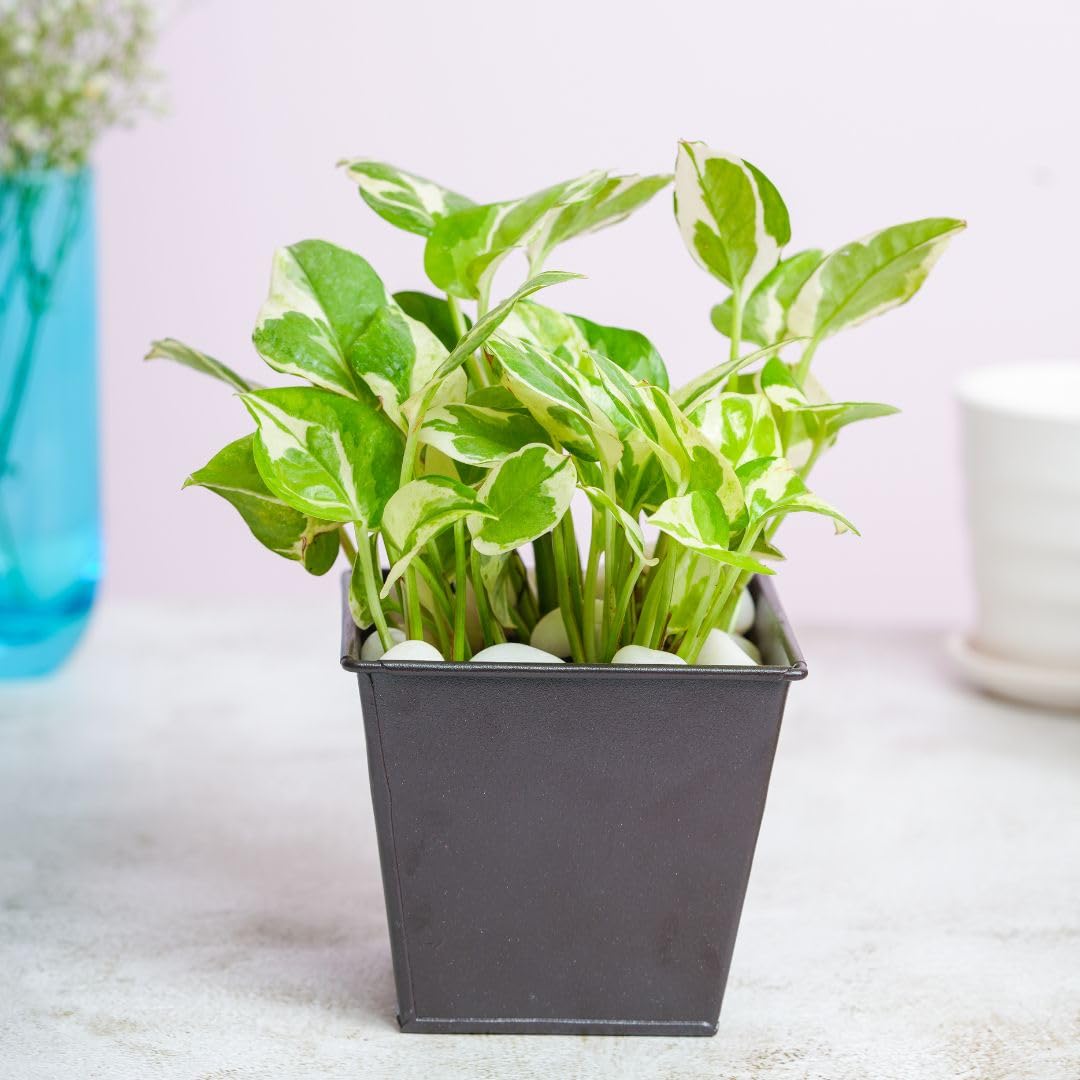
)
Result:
{"points": [[566, 849]]}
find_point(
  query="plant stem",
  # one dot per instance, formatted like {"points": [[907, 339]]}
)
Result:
{"points": [[346, 545], [701, 611], [547, 589], [803, 367], [588, 613], [492, 631], [566, 602], [572, 565], [474, 365], [371, 585], [622, 603], [735, 341], [461, 643]]}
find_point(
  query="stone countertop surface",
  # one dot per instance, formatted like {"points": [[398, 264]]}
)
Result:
{"points": [[189, 884]]}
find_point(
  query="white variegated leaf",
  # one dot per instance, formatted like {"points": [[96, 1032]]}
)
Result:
{"points": [[408, 201], [179, 353], [765, 313], [741, 426], [420, 511], [635, 538], [697, 521], [690, 396], [773, 488], [732, 219], [232, 474], [490, 321], [465, 248], [326, 455], [558, 399], [528, 493], [869, 276], [619, 197], [321, 300], [479, 435]]}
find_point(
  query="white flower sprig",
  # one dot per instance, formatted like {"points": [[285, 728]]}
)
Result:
{"points": [[69, 70]]}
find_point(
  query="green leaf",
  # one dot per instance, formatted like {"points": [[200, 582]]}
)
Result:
{"points": [[358, 603], [433, 312], [547, 329], [869, 276], [630, 350], [479, 435], [773, 488], [419, 512], [765, 313], [615, 201], [558, 399], [322, 298], [528, 493], [177, 351], [232, 474], [731, 217], [324, 454], [408, 201], [698, 521], [488, 323], [466, 247], [741, 425], [397, 356], [635, 538]]}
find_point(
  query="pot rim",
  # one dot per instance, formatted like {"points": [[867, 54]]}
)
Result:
{"points": [[793, 670]]}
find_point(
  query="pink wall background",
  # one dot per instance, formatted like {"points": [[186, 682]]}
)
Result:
{"points": [[863, 114]]}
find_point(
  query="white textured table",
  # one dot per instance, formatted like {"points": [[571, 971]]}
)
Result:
{"points": [[189, 885]]}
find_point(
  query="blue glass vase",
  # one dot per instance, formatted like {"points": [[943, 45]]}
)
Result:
{"points": [[50, 546]]}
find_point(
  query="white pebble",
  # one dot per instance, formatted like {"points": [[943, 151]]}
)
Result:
{"points": [[744, 613], [638, 654], [413, 650], [549, 633], [372, 648], [747, 647], [722, 650], [511, 652]]}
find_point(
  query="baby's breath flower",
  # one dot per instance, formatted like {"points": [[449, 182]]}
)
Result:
{"points": [[69, 70]]}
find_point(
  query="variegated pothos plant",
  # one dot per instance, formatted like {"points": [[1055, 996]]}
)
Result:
{"points": [[448, 442]]}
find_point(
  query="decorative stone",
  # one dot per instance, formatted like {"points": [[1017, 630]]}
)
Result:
{"points": [[638, 654], [512, 652], [372, 648], [723, 650], [412, 649]]}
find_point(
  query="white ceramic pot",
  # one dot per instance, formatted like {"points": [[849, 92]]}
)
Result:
{"points": [[1021, 442]]}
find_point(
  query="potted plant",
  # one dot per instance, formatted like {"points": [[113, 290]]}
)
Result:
{"points": [[565, 847], [68, 72]]}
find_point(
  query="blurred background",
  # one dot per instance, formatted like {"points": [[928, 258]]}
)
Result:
{"points": [[864, 115]]}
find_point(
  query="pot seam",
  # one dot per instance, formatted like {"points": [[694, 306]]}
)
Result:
{"points": [[394, 849]]}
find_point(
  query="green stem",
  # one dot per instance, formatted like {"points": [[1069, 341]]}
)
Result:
{"points": [[566, 601], [803, 368], [622, 604], [461, 643], [474, 364], [572, 565], [547, 588], [347, 545], [371, 585], [701, 612], [492, 631], [735, 341], [588, 613]]}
